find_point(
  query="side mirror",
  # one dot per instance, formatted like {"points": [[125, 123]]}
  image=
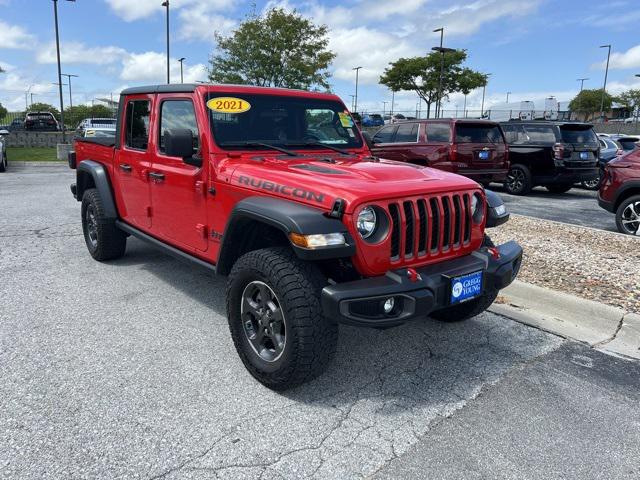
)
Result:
{"points": [[178, 142], [4, 132]]}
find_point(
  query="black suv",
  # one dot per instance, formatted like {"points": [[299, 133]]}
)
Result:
{"points": [[551, 154]]}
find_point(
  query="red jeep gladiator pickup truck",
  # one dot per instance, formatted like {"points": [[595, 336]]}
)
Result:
{"points": [[276, 189]]}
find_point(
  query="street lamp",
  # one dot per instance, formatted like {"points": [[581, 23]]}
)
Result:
{"points": [[393, 98], [352, 97], [606, 72], [181, 74], [581, 80], [384, 108], [441, 30], [32, 94], [508, 93], [69, 82], [166, 4], [484, 89], [355, 108], [442, 51], [55, 16]]}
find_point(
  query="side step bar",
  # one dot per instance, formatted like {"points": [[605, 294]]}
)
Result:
{"points": [[174, 252]]}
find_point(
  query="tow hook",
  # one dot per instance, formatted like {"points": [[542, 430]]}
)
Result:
{"points": [[495, 253], [412, 275]]}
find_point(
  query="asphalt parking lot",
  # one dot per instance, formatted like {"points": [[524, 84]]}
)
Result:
{"points": [[578, 207], [127, 370]]}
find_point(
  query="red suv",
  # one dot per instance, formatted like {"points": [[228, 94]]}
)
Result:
{"points": [[473, 148], [620, 192]]}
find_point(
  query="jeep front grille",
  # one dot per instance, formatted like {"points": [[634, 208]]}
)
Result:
{"points": [[429, 226]]}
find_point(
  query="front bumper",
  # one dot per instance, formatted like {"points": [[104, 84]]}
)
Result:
{"points": [[360, 302]]}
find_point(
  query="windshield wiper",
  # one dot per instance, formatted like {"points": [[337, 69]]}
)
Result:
{"points": [[319, 144], [260, 144]]}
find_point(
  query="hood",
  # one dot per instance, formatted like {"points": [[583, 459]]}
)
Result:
{"points": [[320, 179]]}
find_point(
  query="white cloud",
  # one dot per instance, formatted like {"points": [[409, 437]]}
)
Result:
{"points": [[199, 24], [131, 10], [151, 67], [14, 36], [79, 53], [622, 60], [13, 87]]}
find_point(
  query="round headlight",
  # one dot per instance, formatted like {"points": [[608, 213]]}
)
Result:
{"points": [[366, 222], [477, 208]]}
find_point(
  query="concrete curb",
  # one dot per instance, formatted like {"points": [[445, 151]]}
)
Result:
{"points": [[601, 326], [54, 163]]}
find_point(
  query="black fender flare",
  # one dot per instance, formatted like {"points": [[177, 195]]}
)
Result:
{"points": [[288, 217], [494, 217], [622, 193], [101, 180]]}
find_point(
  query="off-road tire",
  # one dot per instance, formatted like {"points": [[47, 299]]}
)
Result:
{"points": [[521, 187], [619, 212], [559, 187], [3, 163], [466, 310], [110, 242], [311, 339]]}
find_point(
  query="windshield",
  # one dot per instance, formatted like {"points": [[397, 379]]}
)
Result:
{"points": [[478, 134], [582, 135], [279, 120], [628, 143]]}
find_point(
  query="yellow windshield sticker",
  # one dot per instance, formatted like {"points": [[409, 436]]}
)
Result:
{"points": [[228, 105], [345, 120]]}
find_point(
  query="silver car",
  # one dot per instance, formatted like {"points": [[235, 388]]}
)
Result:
{"points": [[3, 151]]}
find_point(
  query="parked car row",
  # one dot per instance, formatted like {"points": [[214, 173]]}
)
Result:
{"points": [[519, 154]]}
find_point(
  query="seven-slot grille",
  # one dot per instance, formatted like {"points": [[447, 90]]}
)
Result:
{"points": [[427, 226]]}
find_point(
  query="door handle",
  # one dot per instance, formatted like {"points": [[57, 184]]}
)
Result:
{"points": [[125, 167], [157, 175]]}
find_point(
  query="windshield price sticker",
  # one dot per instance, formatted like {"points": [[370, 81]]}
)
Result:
{"points": [[228, 105], [345, 120]]}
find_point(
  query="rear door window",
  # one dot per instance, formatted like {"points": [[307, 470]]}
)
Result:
{"points": [[385, 135], [515, 134], [407, 133], [137, 126], [438, 132], [470, 133], [538, 134]]}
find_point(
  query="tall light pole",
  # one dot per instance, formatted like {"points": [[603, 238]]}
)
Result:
{"points": [[32, 94], [393, 98], [508, 93], [166, 4], [355, 108], [55, 17], [352, 97], [441, 30], [26, 98], [606, 73], [69, 82], [181, 60], [484, 90], [384, 108], [581, 80], [442, 51]]}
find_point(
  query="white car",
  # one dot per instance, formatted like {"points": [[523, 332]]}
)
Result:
{"points": [[3, 151], [95, 123], [95, 132]]}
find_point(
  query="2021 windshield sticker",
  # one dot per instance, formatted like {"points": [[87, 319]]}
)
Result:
{"points": [[228, 105]]}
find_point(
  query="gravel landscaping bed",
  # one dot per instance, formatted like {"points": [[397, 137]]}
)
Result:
{"points": [[593, 264]]}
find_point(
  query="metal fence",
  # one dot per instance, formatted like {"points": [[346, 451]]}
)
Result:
{"points": [[15, 120]]}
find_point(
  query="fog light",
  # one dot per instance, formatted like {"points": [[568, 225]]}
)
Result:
{"points": [[389, 304]]}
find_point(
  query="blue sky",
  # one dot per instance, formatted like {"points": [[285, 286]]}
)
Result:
{"points": [[532, 48]]}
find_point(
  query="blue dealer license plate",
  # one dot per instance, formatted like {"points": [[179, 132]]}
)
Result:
{"points": [[466, 287], [484, 155], [584, 155]]}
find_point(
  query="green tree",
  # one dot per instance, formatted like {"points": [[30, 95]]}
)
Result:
{"points": [[278, 49], [630, 99], [469, 80], [44, 107], [422, 75], [3, 112], [587, 103]]}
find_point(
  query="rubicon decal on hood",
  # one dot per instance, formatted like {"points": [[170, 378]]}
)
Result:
{"points": [[300, 193]]}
